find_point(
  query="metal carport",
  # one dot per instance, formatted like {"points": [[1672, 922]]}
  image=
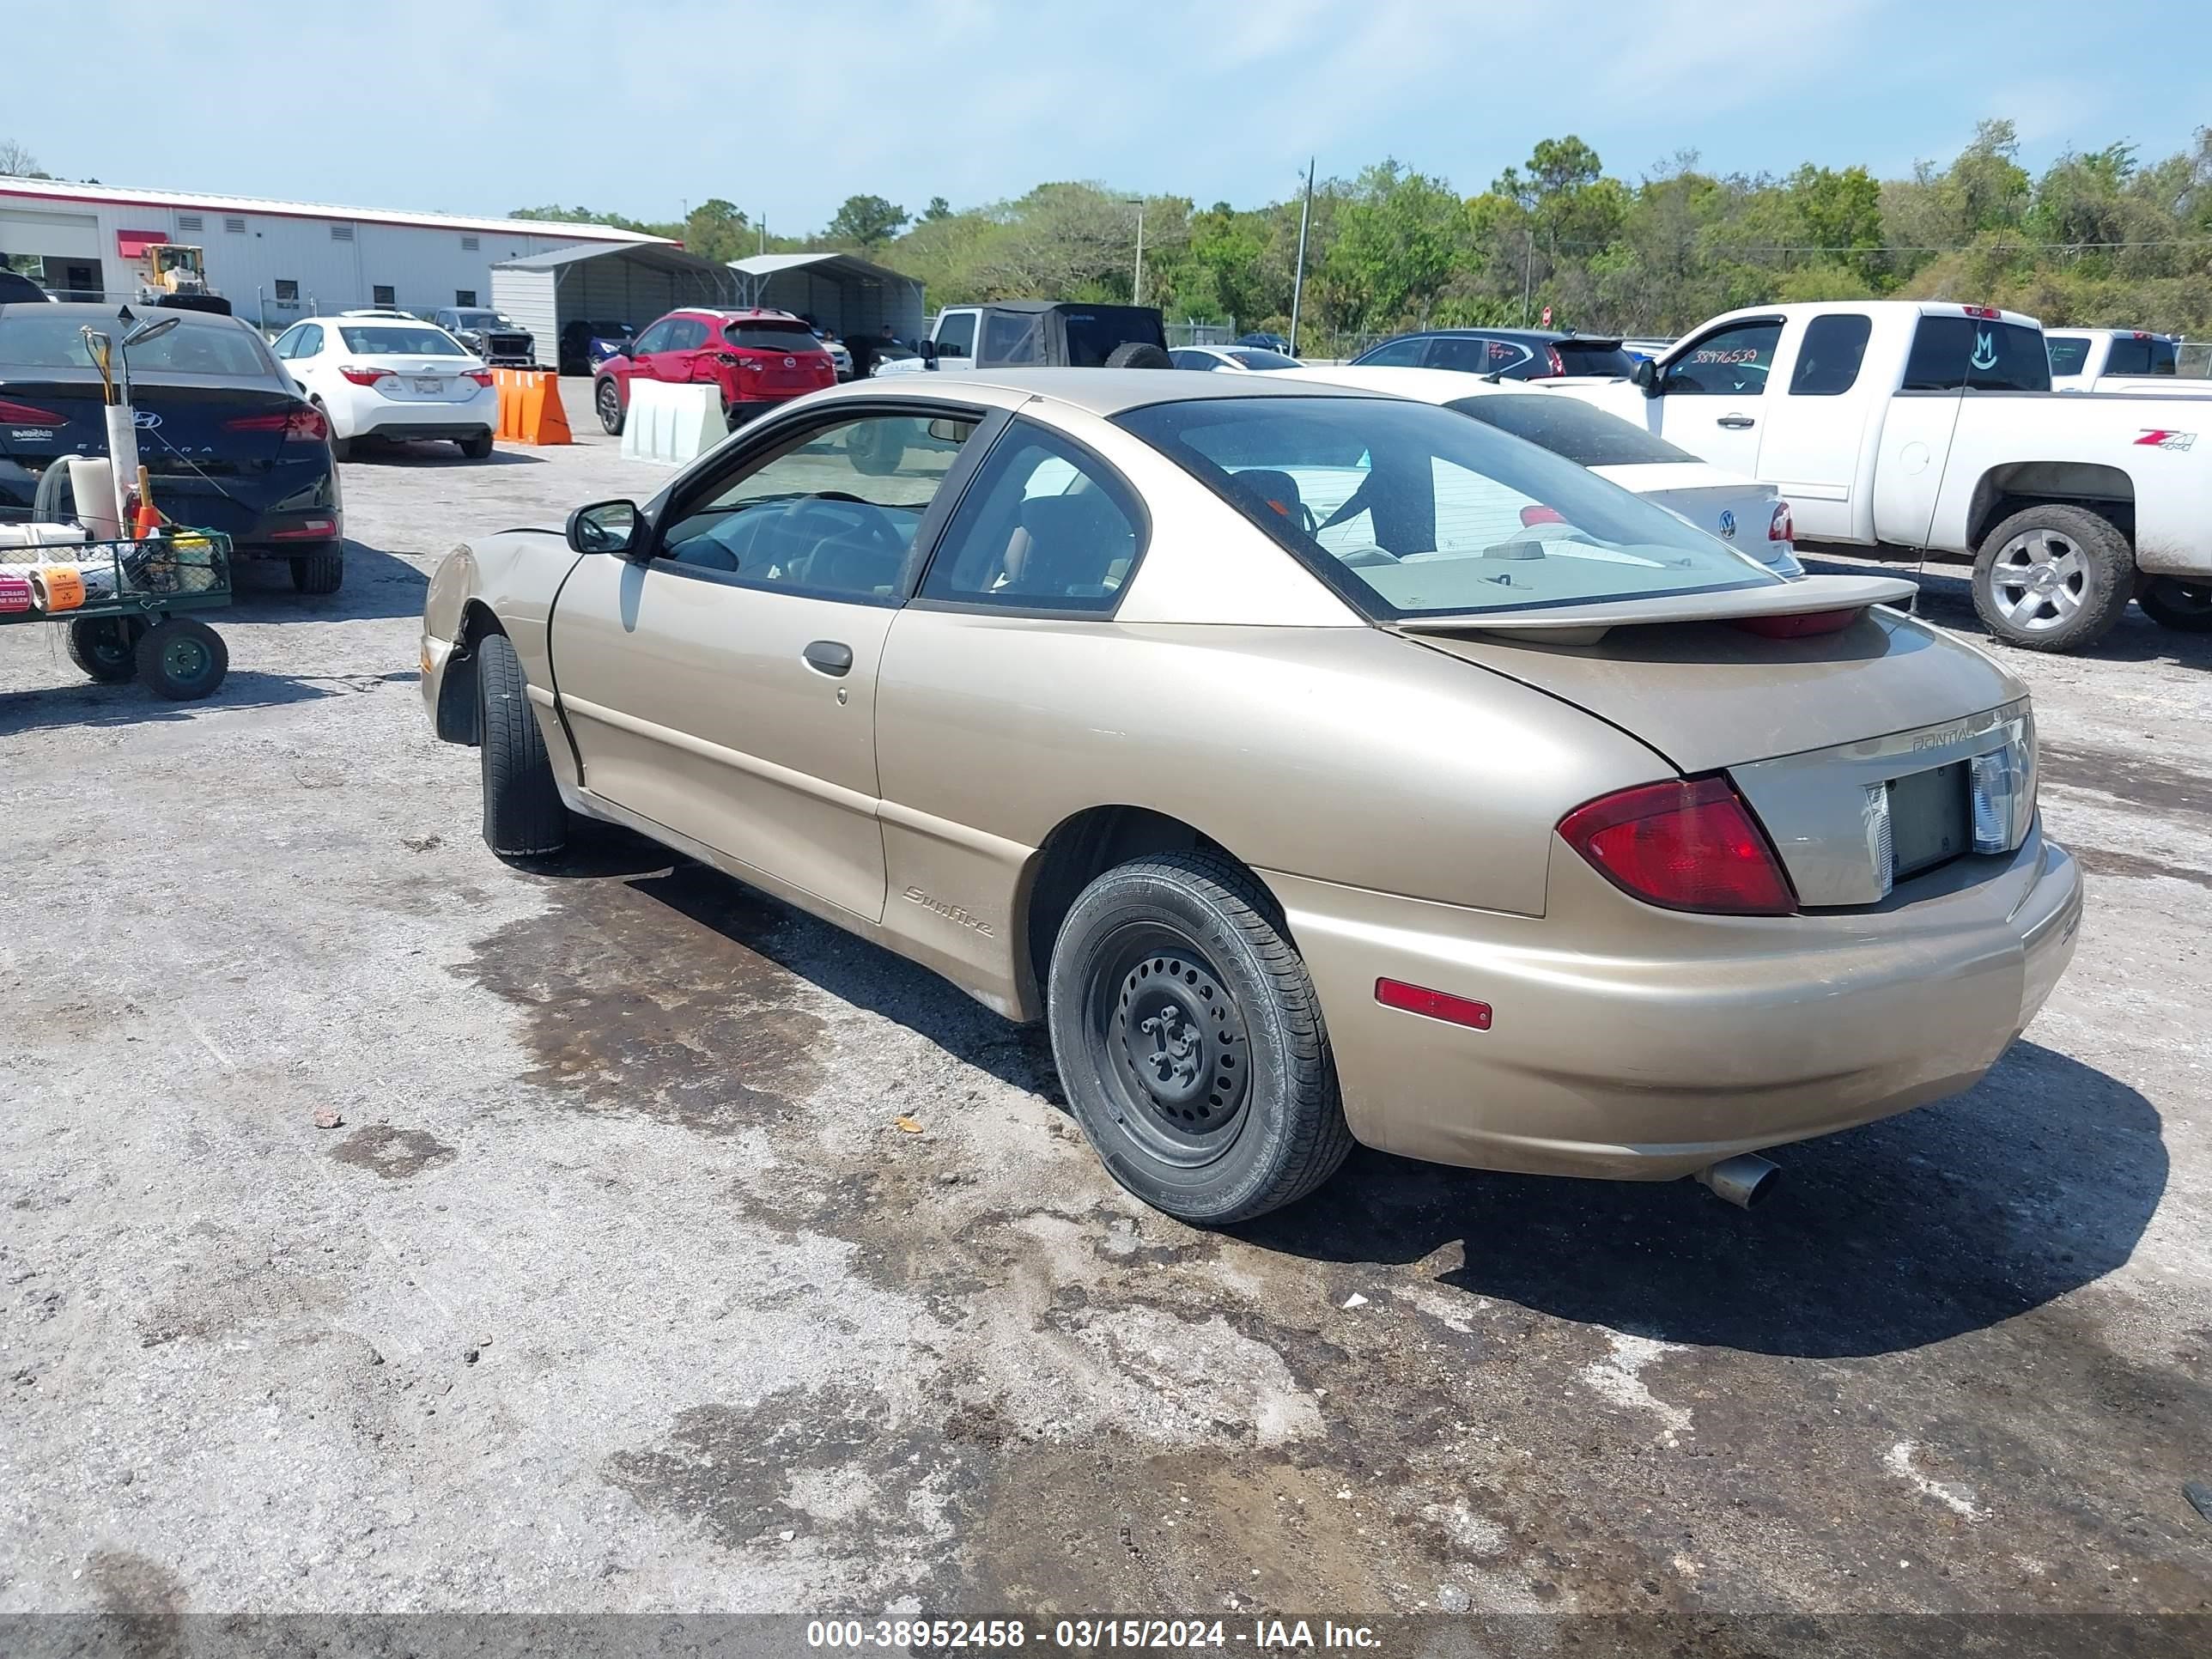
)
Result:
{"points": [[840, 291], [633, 282]]}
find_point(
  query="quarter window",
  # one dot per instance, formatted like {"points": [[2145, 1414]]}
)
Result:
{"points": [[1045, 527], [1829, 357], [1730, 363], [832, 513]]}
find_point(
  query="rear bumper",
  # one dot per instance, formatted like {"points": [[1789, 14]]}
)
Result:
{"points": [[444, 431], [1607, 1058], [364, 412]]}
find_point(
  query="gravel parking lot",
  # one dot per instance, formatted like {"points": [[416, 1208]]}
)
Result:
{"points": [[620, 1288]]}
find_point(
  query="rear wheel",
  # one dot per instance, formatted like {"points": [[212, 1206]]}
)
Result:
{"points": [[478, 448], [523, 817], [181, 660], [322, 571], [2053, 577], [2184, 606], [1190, 1040], [1137, 353], [106, 647], [606, 399]]}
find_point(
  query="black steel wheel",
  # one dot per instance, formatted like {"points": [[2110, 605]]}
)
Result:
{"points": [[1190, 1041], [181, 660], [606, 399], [2184, 606], [106, 647]]}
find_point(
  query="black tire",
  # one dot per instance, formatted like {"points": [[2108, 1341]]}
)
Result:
{"points": [[478, 448], [2053, 577], [1241, 1114], [322, 571], [1138, 353], [606, 399], [875, 448], [181, 660], [2184, 606], [340, 448], [523, 817], [106, 647]]}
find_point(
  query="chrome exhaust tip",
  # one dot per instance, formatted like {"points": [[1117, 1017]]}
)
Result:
{"points": [[1745, 1180]]}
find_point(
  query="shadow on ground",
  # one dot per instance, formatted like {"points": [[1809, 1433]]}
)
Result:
{"points": [[377, 584], [77, 702], [1903, 1233]]}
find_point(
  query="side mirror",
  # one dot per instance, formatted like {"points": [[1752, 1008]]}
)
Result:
{"points": [[604, 527], [926, 350], [1645, 374]]}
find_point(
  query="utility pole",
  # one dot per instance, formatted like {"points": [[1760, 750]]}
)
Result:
{"points": [[1136, 283], [1298, 275], [1528, 271]]}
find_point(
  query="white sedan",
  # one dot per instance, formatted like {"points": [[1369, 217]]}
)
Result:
{"points": [[377, 374], [1742, 512], [1235, 359]]}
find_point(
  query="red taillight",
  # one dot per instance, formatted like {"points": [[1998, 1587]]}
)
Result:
{"points": [[27, 414], [1781, 527], [1690, 845], [1537, 513], [1558, 364], [303, 421], [1435, 1005], [1987, 314], [481, 376], [363, 376]]}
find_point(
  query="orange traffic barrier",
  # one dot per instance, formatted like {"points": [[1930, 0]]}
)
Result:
{"points": [[530, 409]]}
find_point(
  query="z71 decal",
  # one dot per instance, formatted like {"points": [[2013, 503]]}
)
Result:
{"points": [[2159, 437]]}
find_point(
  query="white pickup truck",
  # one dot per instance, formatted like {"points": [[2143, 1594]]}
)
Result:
{"points": [[2120, 359], [1924, 427]]}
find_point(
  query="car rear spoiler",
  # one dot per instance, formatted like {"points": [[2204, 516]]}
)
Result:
{"points": [[1818, 605]]}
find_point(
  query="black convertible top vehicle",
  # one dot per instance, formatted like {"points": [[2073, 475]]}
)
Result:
{"points": [[229, 442]]}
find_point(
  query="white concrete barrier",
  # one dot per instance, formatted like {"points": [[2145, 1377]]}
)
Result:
{"points": [[671, 423]]}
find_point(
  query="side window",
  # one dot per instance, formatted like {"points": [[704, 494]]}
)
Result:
{"points": [[1394, 354], [2131, 354], [2164, 358], [1184, 357], [1008, 338], [310, 343], [287, 343], [1478, 355], [956, 335], [1731, 362], [654, 339], [1828, 359], [833, 512], [1045, 527], [684, 334]]}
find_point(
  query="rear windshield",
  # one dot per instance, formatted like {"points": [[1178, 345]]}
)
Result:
{"points": [[43, 340], [483, 319], [1593, 358], [1949, 352], [1412, 509], [1569, 427], [2068, 356], [1093, 331], [394, 341], [771, 336]]}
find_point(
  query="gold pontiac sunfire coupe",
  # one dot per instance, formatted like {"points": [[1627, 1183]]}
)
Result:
{"points": [[1322, 767]]}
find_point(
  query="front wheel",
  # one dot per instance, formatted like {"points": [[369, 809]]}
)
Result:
{"points": [[523, 817], [2184, 606], [1190, 1040], [2053, 577], [182, 660], [106, 647], [606, 399]]}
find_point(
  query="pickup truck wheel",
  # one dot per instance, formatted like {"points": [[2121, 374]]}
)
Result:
{"points": [[607, 400], [2185, 607], [1190, 1040], [523, 817], [2053, 577], [1138, 353]]}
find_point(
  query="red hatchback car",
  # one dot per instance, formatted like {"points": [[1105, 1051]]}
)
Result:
{"points": [[757, 357]]}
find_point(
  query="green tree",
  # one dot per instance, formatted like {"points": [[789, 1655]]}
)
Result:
{"points": [[719, 230], [867, 221], [939, 207]]}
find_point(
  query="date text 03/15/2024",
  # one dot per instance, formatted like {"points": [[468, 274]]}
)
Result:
{"points": [[1089, 1634]]}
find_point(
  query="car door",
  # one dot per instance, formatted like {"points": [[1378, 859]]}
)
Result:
{"points": [[1813, 417], [1712, 392], [724, 686], [648, 345], [955, 339]]}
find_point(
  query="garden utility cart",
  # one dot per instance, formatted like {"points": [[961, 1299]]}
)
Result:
{"points": [[125, 606]]}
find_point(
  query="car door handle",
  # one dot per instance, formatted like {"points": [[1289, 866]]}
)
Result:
{"points": [[1736, 423], [828, 657]]}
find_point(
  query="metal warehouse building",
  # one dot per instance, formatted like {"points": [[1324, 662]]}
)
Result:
{"points": [[275, 262]]}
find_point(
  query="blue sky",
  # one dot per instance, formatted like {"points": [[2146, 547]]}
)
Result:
{"points": [[786, 108]]}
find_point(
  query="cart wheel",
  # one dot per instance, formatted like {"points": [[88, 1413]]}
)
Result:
{"points": [[106, 647], [182, 660]]}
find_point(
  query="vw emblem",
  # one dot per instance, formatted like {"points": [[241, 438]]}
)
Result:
{"points": [[1727, 524], [147, 418]]}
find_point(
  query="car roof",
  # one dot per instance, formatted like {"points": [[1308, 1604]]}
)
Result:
{"points": [[1110, 391], [1524, 336], [1428, 385], [740, 314], [105, 317]]}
